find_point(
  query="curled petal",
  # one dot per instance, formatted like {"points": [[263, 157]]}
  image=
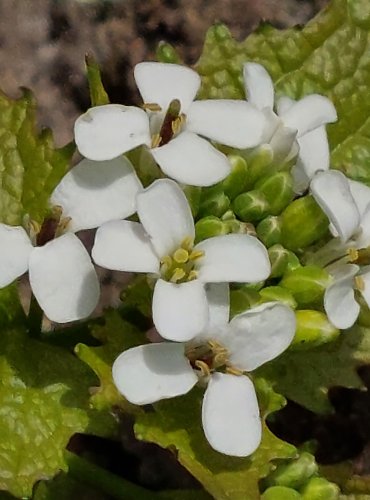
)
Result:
{"points": [[189, 159], [122, 245], [160, 83], [105, 132], [259, 335], [16, 248], [165, 214], [180, 311], [152, 372], [96, 192], [233, 123], [233, 257], [361, 195], [309, 113], [63, 279], [331, 191], [259, 87], [230, 415]]}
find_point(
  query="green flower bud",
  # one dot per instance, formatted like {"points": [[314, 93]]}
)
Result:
{"points": [[260, 163], [269, 230], [237, 181], [295, 473], [209, 227], [242, 299], [167, 54], [279, 257], [278, 293], [319, 488], [213, 202], [278, 190], [293, 262], [280, 493], [313, 329], [193, 195], [251, 206], [303, 223], [307, 284]]}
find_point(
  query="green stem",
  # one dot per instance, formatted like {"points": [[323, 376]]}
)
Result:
{"points": [[105, 481], [35, 316]]}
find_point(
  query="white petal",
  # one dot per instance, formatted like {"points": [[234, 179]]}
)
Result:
{"points": [[361, 195], [63, 279], [365, 277], [313, 152], [166, 216], [259, 87], [189, 159], [105, 132], [180, 312], [300, 180], [259, 335], [160, 83], [230, 415], [233, 123], [309, 113], [16, 248], [362, 238], [272, 123], [218, 297], [148, 373], [331, 191], [96, 192], [283, 104], [339, 299], [282, 143], [233, 257], [122, 245]]}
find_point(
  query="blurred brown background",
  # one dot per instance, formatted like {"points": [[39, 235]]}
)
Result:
{"points": [[43, 43]]}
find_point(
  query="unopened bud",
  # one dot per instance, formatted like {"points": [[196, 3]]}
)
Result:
{"points": [[295, 473], [279, 294], [237, 181], [319, 488], [280, 493], [213, 202], [251, 206], [193, 195], [307, 284], [243, 299], [269, 230], [313, 329], [303, 223], [167, 54], [260, 163], [208, 227], [278, 190], [279, 257]]}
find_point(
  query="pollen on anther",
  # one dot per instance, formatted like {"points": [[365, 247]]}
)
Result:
{"points": [[359, 283], [181, 256], [177, 275]]}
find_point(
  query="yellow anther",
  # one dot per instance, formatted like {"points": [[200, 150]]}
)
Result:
{"points": [[181, 256], [203, 367], [192, 275], [151, 106], [187, 243], [359, 283], [63, 224], [220, 359], [177, 275], [196, 254], [156, 140], [233, 371], [34, 227], [352, 254], [176, 125]]}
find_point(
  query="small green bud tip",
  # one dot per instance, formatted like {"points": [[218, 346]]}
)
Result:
{"points": [[269, 230], [214, 202], [279, 258], [167, 54], [251, 206], [280, 493], [307, 284], [221, 32], [208, 227], [318, 488], [278, 191], [237, 181], [312, 330], [295, 473]]}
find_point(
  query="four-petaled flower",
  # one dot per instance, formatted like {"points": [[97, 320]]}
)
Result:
{"points": [[163, 244], [298, 127], [219, 355], [171, 125]]}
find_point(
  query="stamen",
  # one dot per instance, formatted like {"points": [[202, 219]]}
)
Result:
{"points": [[187, 243], [192, 275], [63, 224], [181, 256], [220, 358], [203, 367], [359, 283], [352, 254], [233, 371], [151, 106], [171, 116], [156, 141], [178, 275], [196, 254]]}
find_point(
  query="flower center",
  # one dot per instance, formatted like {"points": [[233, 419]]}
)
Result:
{"points": [[210, 357], [52, 226], [179, 266], [172, 123], [360, 257]]}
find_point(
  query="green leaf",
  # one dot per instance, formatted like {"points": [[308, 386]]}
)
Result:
{"points": [[306, 376], [30, 167], [176, 424], [329, 56], [43, 401], [116, 336]]}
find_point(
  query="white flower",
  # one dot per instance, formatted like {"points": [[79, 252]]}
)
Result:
{"points": [[340, 301], [220, 355], [163, 244], [172, 126], [297, 128]]}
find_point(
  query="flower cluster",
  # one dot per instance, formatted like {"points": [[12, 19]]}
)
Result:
{"points": [[238, 237]]}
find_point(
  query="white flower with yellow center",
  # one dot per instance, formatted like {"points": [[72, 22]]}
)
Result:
{"points": [[172, 124], [219, 356], [297, 127], [162, 244]]}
